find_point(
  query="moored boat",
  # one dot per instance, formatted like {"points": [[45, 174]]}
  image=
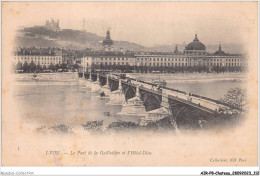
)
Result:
{"points": [[159, 82]]}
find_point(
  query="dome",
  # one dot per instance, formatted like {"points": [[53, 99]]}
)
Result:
{"points": [[220, 52], [196, 45], [107, 40]]}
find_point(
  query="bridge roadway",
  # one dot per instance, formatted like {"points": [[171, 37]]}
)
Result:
{"points": [[202, 103]]}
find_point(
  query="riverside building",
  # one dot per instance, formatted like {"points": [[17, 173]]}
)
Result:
{"points": [[42, 56], [194, 55]]}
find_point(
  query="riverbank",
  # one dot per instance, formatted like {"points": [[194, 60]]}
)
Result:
{"points": [[192, 76], [58, 76]]}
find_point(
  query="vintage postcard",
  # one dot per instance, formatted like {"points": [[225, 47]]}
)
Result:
{"points": [[129, 84]]}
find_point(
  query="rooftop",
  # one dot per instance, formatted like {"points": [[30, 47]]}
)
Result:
{"points": [[195, 45]]}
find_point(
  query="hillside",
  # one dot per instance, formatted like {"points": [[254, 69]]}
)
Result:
{"points": [[39, 36], [67, 38]]}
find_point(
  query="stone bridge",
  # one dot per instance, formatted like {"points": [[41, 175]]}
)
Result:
{"points": [[179, 104]]}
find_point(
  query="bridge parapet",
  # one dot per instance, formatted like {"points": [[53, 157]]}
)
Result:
{"points": [[142, 84], [205, 103], [208, 103], [212, 105]]}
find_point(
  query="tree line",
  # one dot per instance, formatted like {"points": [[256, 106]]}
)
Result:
{"points": [[33, 68]]}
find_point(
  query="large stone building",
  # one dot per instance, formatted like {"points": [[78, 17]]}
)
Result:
{"points": [[107, 59], [194, 55], [41, 56]]}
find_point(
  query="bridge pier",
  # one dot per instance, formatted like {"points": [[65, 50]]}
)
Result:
{"points": [[88, 81], [117, 97], [134, 106], [95, 86], [90, 76], [162, 112], [81, 76], [105, 90], [86, 75]]}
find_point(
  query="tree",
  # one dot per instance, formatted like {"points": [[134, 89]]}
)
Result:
{"points": [[44, 67], [32, 67], [76, 66], [38, 68], [56, 67], [64, 66], [236, 97], [51, 67], [25, 67], [19, 66]]}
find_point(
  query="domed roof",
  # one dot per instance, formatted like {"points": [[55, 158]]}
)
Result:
{"points": [[196, 45], [107, 40], [220, 52]]}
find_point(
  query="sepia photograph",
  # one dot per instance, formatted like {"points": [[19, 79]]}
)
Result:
{"points": [[129, 84]]}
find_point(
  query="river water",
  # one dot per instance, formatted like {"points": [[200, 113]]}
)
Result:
{"points": [[62, 100]]}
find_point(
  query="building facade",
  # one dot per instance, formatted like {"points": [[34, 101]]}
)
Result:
{"points": [[42, 57], [194, 55], [103, 59]]}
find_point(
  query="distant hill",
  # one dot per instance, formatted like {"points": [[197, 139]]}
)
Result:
{"points": [[40, 36], [67, 38]]}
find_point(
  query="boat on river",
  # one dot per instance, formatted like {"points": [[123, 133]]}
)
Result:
{"points": [[159, 82]]}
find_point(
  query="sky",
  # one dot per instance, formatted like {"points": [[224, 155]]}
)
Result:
{"points": [[147, 23]]}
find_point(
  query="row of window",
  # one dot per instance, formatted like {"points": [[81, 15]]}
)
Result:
{"points": [[112, 58], [48, 62], [165, 59], [39, 58], [167, 64], [184, 59], [173, 64], [152, 63], [109, 58]]}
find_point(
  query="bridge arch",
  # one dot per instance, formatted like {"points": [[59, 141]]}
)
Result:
{"points": [[151, 101], [188, 117], [129, 91], [113, 85], [93, 77], [102, 80]]}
